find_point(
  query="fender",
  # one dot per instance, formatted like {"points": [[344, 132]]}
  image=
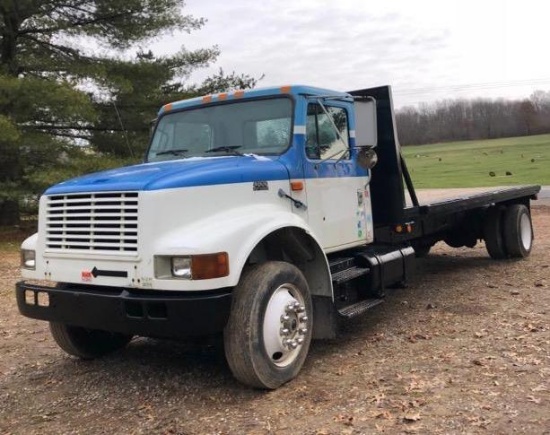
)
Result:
{"points": [[238, 232]]}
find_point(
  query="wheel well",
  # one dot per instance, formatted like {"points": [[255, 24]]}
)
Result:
{"points": [[294, 245]]}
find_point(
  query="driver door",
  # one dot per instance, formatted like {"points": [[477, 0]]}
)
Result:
{"points": [[338, 201]]}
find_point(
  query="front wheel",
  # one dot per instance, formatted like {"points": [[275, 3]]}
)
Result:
{"points": [[269, 330], [87, 343]]}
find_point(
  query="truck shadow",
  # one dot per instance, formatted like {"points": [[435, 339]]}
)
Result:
{"points": [[198, 367], [440, 280]]}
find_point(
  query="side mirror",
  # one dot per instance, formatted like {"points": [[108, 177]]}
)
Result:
{"points": [[366, 134], [367, 158]]}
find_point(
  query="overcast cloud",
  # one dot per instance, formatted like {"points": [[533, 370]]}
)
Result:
{"points": [[427, 50]]}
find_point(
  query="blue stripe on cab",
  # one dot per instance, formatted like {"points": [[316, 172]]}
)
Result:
{"points": [[176, 174]]}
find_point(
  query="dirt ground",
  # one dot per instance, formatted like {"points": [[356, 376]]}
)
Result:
{"points": [[465, 348]]}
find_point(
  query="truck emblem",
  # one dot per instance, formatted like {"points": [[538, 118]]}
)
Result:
{"points": [[260, 185]]}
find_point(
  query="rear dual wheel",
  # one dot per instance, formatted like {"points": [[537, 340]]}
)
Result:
{"points": [[508, 232]]}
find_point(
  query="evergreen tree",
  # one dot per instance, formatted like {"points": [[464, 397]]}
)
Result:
{"points": [[67, 78]]}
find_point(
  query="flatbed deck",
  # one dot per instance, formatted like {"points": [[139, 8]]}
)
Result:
{"points": [[437, 201]]}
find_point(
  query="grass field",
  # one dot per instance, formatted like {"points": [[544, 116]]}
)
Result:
{"points": [[469, 164]]}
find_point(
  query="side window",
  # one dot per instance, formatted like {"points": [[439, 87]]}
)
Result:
{"points": [[322, 141]]}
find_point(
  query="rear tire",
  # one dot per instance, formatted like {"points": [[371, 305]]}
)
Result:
{"points": [[269, 330], [518, 231], [87, 343], [421, 250], [492, 233]]}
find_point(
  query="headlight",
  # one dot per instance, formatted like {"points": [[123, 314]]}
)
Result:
{"points": [[28, 259], [181, 267], [206, 266]]}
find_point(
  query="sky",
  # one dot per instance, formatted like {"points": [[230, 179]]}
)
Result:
{"points": [[427, 50]]}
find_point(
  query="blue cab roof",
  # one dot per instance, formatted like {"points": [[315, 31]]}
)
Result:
{"points": [[252, 93]]}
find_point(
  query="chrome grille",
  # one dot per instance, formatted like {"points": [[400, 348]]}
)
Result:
{"points": [[106, 221]]}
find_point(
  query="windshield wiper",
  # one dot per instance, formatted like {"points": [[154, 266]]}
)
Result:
{"points": [[176, 152], [229, 149]]}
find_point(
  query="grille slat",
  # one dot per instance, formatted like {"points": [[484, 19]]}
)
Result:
{"points": [[93, 222]]}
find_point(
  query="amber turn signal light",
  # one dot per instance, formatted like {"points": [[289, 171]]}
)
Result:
{"points": [[210, 266]]}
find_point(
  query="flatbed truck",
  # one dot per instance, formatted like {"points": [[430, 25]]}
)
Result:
{"points": [[266, 215]]}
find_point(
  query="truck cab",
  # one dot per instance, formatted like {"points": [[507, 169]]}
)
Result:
{"points": [[258, 214]]}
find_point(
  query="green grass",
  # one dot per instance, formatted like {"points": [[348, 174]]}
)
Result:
{"points": [[468, 164]]}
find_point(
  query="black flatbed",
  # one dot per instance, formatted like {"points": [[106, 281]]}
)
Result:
{"points": [[471, 199], [401, 216]]}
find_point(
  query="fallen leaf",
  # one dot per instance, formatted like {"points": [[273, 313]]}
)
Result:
{"points": [[411, 418], [540, 387], [533, 399]]}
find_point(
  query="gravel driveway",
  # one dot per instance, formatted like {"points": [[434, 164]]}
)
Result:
{"points": [[465, 348]]}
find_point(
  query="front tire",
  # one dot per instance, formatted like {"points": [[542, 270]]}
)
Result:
{"points": [[87, 343], [518, 231], [269, 330]]}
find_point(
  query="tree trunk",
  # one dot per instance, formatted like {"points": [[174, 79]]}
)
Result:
{"points": [[9, 212]]}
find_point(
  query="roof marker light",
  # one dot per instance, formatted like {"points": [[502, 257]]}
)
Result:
{"points": [[207, 99], [238, 93], [167, 107], [222, 96], [285, 89]]}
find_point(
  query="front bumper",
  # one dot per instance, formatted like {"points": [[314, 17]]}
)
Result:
{"points": [[150, 314]]}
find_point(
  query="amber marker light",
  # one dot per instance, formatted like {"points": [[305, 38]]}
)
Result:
{"points": [[167, 107], [222, 96], [296, 186], [399, 228], [285, 89], [207, 99], [239, 93], [210, 266]]}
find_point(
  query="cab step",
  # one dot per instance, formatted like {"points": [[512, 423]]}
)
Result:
{"points": [[349, 274], [339, 264], [359, 308]]}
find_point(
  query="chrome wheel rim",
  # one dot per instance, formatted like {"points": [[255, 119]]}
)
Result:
{"points": [[526, 232], [286, 325]]}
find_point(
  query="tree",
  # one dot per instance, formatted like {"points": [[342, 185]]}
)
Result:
{"points": [[67, 78], [453, 120]]}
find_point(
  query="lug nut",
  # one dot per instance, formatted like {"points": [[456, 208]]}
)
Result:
{"points": [[303, 319], [293, 345], [300, 309], [289, 308], [285, 318], [302, 331], [300, 340], [285, 331]]}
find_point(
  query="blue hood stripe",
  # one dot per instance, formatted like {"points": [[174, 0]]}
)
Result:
{"points": [[177, 174]]}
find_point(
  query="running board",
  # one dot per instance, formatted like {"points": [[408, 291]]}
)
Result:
{"points": [[359, 308], [349, 274]]}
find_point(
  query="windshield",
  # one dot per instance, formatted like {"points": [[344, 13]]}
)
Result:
{"points": [[250, 126]]}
